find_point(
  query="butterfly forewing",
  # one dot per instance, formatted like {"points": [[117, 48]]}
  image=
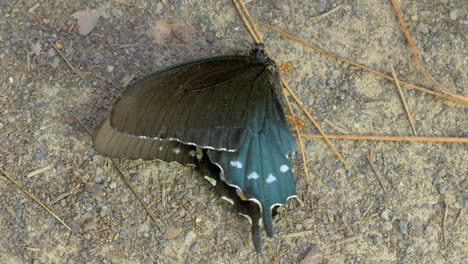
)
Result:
{"points": [[112, 143], [198, 103]]}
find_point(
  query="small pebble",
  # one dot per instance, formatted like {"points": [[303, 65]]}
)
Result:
{"points": [[51, 52], [442, 188], [385, 215], [377, 240], [97, 179], [403, 226], [437, 180], [453, 14], [321, 6], [39, 156], [112, 185], [195, 247]]}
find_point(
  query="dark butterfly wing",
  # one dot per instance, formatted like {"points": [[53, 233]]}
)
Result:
{"points": [[112, 143], [248, 209], [197, 103], [261, 168]]}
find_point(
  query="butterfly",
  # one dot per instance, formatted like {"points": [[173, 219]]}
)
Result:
{"points": [[221, 114]]}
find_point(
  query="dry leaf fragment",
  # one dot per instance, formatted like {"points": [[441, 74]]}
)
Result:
{"points": [[37, 48], [172, 232], [87, 20], [160, 31], [313, 256]]}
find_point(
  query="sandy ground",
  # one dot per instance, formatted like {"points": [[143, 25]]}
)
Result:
{"points": [[346, 216]]}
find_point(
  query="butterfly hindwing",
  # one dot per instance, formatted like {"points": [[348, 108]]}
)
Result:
{"points": [[261, 168]]}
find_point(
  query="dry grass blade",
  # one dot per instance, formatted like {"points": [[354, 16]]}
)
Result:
{"points": [[241, 9], [445, 96], [392, 138], [125, 178], [405, 104], [35, 199], [299, 137], [444, 223], [66, 60], [416, 55], [299, 103], [243, 13], [371, 159], [254, 32]]}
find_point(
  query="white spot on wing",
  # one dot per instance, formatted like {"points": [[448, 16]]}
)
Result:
{"points": [[160, 148], [192, 153], [284, 168], [270, 178], [227, 199], [210, 180], [236, 164], [248, 218], [253, 176], [176, 151]]}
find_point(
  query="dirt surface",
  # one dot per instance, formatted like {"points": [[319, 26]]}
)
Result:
{"points": [[346, 216]]}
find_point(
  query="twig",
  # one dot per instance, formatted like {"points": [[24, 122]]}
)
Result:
{"points": [[392, 138], [241, 9], [40, 170], [65, 194], [329, 12], [418, 59], [299, 138], [248, 21], [299, 234], [125, 178], [303, 108], [336, 127], [65, 59], [371, 160], [444, 223], [347, 239], [402, 96], [460, 215], [449, 97], [35, 199]]}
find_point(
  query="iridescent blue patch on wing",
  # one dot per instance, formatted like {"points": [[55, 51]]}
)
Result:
{"points": [[261, 168]]}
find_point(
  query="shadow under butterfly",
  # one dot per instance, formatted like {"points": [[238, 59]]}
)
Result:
{"points": [[220, 114]]}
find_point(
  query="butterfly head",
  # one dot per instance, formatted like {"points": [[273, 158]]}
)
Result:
{"points": [[258, 51]]}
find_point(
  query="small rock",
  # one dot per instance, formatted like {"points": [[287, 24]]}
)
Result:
{"points": [[377, 240], [423, 28], [437, 180], [195, 247], [51, 52], [97, 179], [453, 14], [159, 8], [442, 188], [385, 215], [112, 185], [321, 7], [39, 156], [403, 226], [187, 241], [164, 243]]}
